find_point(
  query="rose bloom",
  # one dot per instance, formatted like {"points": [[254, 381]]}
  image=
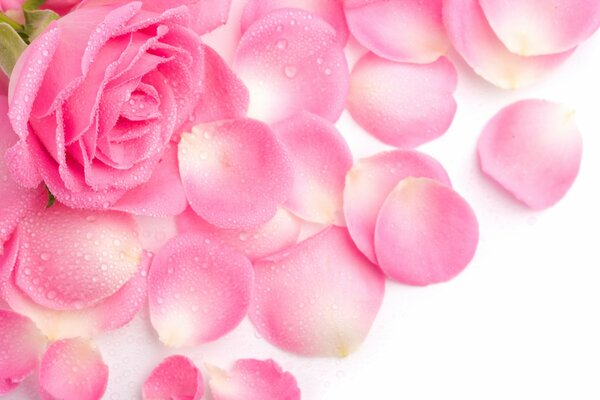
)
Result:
{"points": [[97, 97]]}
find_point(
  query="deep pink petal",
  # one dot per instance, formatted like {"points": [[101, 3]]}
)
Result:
{"points": [[235, 173], [21, 345], [425, 233], [279, 233], [331, 11], [16, 200], [369, 183], [320, 159], [535, 27], [72, 369], [318, 298], [399, 30], [198, 290], [70, 259], [291, 61], [401, 104], [251, 379], [162, 195], [176, 378], [471, 35], [532, 148]]}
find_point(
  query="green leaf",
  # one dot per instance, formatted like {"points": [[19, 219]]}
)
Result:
{"points": [[32, 4], [14, 24], [51, 198], [36, 22], [11, 47]]}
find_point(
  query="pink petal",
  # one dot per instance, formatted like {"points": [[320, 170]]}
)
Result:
{"points": [[175, 378], [400, 30], [291, 61], [109, 314], [235, 173], [162, 195], [21, 344], [532, 148], [253, 380], [426, 233], [279, 233], [331, 11], [198, 290], [403, 105], [318, 298], [369, 183], [534, 27], [16, 200], [224, 96], [70, 259], [472, 36], [320, 159], [72, 369]]}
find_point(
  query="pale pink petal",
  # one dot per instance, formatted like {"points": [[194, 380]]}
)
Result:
{"points": [[471, 35], [318, 298], [279, 233], [331, 11], [320, 159], [72, 369], [251, 379], [198, 290], [156, 232], [535, 27], [72, 259], [16, 200], [176, 378], [108, 315], [425, 233], [21, 345], [162, 195], [399, 30], [532, 149], [235, 173], [369, 183], [401, 104], [291, 61]]}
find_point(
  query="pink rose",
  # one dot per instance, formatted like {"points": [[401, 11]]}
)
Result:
{"points": [[96, 99], [6, 5]]}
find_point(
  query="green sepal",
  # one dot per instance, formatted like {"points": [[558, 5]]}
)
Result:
{"points": [[36, 22], [30, 5], [11, 47]]}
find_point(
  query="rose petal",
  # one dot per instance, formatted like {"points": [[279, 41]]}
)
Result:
{"points": [[224, 96], [235, 173], [320, 159], [533, 27], [175, 378], [318, 298], [532, 148], [425, 233], [16, 200], [405, 30], [198, 290], [331, 11], [472, 36], [162, 195], [279, 233], [369, 183], [70, 259], [72, 369], [21, 343], [403, 105], [291, 61], [109, 314], [251, 379]]}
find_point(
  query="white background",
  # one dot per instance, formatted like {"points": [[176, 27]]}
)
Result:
{"points": [[522, 322]]}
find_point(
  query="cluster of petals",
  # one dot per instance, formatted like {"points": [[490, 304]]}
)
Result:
{"points": [[272, 218]]}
